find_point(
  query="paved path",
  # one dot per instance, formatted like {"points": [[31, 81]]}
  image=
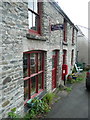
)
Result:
{"points": [[73, 105]]}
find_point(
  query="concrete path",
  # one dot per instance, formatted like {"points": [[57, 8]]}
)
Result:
{"points": [[73, 105]]}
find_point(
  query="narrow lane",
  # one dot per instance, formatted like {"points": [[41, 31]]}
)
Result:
{"points": [[74, 105]]}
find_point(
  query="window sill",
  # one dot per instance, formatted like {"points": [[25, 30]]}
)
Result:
{"points": [[35, 37], [33, 96]]}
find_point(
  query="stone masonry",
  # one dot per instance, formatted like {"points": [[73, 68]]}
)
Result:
{"points": [[14, 27], [16, 39]]}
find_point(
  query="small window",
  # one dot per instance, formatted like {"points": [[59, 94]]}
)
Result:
{"points": [[34, 16], [72, 55], [65, 31], [72, 35], [64, 56]]}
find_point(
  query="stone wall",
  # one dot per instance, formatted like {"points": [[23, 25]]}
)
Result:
{"points": [[69, 47], [48, 41], [16, 39], [14, 28]]}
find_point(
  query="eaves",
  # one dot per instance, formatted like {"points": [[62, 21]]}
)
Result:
{"points": [[58, 8]]}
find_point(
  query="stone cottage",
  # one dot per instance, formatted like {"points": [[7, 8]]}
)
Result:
{"points": [[37, 39]]}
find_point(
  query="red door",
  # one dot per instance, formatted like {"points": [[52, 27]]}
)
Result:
{"points": [[53, 78], [54, 69]]}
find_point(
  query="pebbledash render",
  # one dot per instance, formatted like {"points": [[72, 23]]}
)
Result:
{"points": [[37, 39]]}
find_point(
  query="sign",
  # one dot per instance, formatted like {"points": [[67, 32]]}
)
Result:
{"points": [[56, 27]]}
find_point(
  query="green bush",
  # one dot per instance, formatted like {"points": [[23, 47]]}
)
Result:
{"points": [[48, 98], [39, 107], [68, 89], [12, 114]]}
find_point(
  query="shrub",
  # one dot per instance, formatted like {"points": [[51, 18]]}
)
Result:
{"points": [[68, 89], [12, 114], [39, 107], [48, 98]]}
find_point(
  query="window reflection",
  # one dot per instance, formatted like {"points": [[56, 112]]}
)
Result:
{"points": [[35, 6], [30, 19], [26, 90], [33, 73], [25, 65], [40, 81], [33, 21], [30, 4], [33, 85], [39, 62], [53, 62], [32, 63]]}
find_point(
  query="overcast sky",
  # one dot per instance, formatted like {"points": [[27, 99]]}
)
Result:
{"points": [[77, 11]]}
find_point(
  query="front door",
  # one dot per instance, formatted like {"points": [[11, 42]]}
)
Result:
{"points": [[54, 68]]}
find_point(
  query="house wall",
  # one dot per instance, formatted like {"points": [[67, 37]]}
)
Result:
{"points": [[82, 48], [14, 27], [51, 17], [16, 39], [52, 41], [69, 47]]}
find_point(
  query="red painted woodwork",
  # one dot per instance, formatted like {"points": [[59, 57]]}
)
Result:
{"points": [[36, 74], [53, 78]]}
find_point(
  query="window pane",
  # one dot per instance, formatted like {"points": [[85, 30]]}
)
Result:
{"points": [[54, 53], [33, 85], [25, 65], [35, 22], [26, 90], [39, 61], [31, 4], [30, 19], [53, 62], [32, 63], [35, 6], [40, 81], [53, 59]]}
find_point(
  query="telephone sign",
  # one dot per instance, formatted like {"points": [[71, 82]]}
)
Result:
{"points": [[56, 27]]}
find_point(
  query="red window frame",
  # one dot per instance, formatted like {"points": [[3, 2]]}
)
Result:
{"points": [[65, 31], [64, 56], [72, 35], [38, 14], [36, 74]]}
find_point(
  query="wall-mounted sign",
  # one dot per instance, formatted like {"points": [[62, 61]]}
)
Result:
{"points": [[56, 27]]}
